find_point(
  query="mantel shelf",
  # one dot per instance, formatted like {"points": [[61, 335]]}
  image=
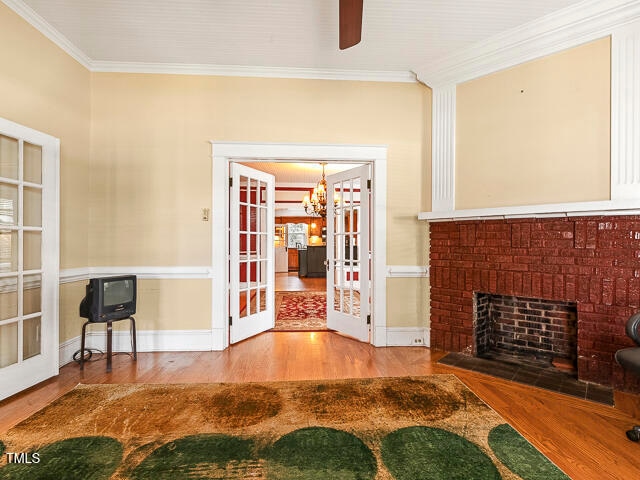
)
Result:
{"points": [[598, 208]]}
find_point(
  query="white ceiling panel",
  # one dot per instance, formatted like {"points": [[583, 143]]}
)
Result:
{"points": [[398, 35], [298, 173]]}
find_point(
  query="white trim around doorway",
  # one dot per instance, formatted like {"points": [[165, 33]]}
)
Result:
{"points": [[225, 152]]}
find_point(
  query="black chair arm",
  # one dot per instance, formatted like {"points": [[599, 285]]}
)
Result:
{"points": [[633, 328]]}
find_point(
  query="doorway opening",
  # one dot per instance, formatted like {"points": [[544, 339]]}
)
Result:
{"points": [[341, 258], [300, 242]]}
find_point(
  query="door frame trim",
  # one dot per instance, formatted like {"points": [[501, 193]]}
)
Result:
{"points": [[222, 153]]}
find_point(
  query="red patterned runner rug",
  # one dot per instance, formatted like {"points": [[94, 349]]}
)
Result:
{"points": [[301, 311]]}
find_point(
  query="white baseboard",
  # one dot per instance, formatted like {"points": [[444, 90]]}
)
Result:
{"points": [[408, 336], [146, 341], [67, 349]]}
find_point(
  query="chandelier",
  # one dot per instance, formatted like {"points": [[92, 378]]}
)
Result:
{"points": [[317, 204]]}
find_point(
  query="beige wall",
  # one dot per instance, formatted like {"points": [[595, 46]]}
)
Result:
{"points": [[136, 167], [408, 302], [536, 133], [151, 163], [45, 89], [165, 304]]}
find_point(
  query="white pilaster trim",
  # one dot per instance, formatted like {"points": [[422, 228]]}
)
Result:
{"points": [[443, 149], [407, 271], [408, 337], [625, 113]]}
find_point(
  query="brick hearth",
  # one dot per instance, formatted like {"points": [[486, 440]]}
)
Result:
{"points": [[592, 261]]}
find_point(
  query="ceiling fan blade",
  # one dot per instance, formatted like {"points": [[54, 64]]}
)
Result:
{"points": [[350, 23]]}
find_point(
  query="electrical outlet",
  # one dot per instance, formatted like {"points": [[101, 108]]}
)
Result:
{"points": [[205, 214], [417, 341]]}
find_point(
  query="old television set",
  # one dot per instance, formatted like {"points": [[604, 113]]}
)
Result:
{"points": [[109, 298]]}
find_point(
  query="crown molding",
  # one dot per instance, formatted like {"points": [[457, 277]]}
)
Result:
{"points": [[254, 71], [44, 27], [577, 24]]}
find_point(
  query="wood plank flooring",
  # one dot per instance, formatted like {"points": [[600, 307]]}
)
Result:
{"points": [[585, 439], [290, 282]]}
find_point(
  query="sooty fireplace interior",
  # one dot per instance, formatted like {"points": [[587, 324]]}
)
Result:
{"points": [[525, 330]]}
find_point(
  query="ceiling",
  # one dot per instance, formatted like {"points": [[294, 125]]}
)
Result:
{"points": [[298, 173], [398, 35]]}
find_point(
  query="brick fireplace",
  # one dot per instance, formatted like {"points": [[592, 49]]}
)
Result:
{"points": [[590, 263]]}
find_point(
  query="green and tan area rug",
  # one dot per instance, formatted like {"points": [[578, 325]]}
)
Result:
{"points": [[388, 428]]}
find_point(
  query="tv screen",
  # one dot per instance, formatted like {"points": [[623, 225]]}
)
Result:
{"points": [[109, 298], [118, 291]]}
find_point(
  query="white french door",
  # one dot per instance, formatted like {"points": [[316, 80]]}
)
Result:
{"points": [[29, 258], [349, 252], [251, 252]]}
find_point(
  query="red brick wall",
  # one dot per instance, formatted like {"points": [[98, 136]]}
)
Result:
{"points": [[593, 261]]}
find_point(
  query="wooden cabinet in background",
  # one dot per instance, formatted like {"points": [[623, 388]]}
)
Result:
{"points": [[293, 260], [312, 261]]}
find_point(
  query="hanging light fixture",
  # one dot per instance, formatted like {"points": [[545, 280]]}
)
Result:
{"points": [[317, 204]]}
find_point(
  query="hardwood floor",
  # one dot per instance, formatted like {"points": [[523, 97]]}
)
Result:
{"points": [[290, 282], [585, 439]]}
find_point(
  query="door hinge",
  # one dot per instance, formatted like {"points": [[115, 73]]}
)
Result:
{"points": [[230, 320], [369, 184], [230, 181], [368, 319]]}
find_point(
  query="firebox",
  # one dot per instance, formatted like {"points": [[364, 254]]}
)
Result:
{"points": [[525, 330]]}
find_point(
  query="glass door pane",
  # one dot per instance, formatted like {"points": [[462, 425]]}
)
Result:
{"points": [[9, 151], [8, 344], [32, 163], [31, 337], [8, 204]]}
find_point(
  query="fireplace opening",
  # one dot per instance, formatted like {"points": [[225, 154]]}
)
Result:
{"points": [[526, 331]]}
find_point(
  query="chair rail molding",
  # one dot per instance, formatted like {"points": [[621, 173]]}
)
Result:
{"points": [[71, 275], [407, 271]]}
